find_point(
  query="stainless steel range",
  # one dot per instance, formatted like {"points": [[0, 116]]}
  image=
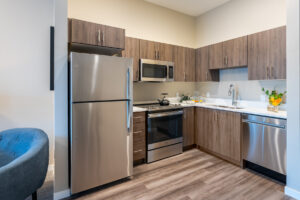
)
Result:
{"points": [[164, 131]]}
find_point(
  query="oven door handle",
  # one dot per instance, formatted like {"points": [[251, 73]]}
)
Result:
{"points": [[165, 114]]}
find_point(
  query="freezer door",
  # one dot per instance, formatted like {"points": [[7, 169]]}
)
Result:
{"points": [[100, 78], [101, 144]]}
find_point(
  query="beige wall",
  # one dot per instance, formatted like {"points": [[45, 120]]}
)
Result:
{"points": [[152, 91], [25, 98], [238, 18], [139, 18], [234, 19]]}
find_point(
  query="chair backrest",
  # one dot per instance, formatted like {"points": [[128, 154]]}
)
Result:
{"points": [[16, 142]]}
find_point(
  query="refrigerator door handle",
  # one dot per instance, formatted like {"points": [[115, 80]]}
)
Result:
{"points": [[128, 100]]}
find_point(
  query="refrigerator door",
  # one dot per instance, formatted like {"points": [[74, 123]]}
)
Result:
{"points": [[101, 144], [100, 78]]}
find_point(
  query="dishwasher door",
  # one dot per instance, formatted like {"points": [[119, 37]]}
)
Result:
{"points": [[264, 142]]}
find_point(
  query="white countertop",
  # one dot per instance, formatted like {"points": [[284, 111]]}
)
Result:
{"points": [[247, 110], [247, 107], [138, 109]]}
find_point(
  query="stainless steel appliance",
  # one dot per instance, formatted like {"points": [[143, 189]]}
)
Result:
{"points": [[101, 120], [164, 131], [156, 70], [264, 142]]}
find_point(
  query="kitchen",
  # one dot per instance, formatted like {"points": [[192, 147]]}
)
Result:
{"points": [[224, 80]]}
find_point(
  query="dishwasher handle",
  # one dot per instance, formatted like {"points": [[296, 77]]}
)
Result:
{"points": [[264, 123]]}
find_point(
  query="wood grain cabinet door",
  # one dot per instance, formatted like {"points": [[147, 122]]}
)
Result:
{"points": [[190, 65], [202, 72], [165, 52], [188, 127], [235, 52], [83, 32], [132, 50], [113, 37], [277, 53], [258, 56], [204, 119], [179, 61], [148, 49], [215, 55], [229, 131]]}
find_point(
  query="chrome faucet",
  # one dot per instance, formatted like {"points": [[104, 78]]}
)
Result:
{"points": [[232, 93]]}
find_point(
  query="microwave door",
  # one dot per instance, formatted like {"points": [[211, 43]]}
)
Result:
{"points": [[151, 70]]}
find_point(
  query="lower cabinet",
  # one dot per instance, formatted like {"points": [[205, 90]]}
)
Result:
{"points": [[188, 127], [139, 136], [219, 132]]}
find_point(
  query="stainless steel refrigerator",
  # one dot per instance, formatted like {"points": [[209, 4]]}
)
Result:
{"points": [[101, 120]]}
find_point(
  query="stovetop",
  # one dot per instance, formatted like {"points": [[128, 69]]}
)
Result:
{"points": [[157, 107]]}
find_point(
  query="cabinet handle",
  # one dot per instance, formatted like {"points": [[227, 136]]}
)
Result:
{"points": [[99, 36], [155, 55], [267, 72], [103, 37], [158, 55], [206, 76], [272, 72], [138, 132], [138, 151]]}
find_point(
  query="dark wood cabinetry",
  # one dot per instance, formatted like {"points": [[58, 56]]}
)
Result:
{"points": [[88, 33], [202, 71], [139, 136], [215, 56], [228, 54], [132, 50], [267, 54], [156, 51], [235, 52], [188, 127], [184, 64], [219, 132]]}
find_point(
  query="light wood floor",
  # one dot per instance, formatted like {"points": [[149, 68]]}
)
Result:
{"points": [[191, 175]]}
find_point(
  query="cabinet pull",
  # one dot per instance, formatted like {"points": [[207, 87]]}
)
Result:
{"points": [[99, 36], [267, 72], [158, 55], [138, 132], [206, 76], [155, 55], [272, 72], [103, 36], [137, 151]]}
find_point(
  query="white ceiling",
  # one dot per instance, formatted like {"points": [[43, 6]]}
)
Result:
{"points": [[189, 7]]}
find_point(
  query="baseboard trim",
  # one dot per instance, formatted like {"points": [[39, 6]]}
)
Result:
{"points": [[62, 194], [292, 192]]}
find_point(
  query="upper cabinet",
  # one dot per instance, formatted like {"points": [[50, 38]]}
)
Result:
{"points": [[202, 71], [215, 56], [228, 54], [184, 64], [267, 55], [235, 52], [132, 50], [156, 51], [83, 32]]}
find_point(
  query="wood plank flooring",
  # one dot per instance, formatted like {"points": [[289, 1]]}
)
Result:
{"points": [[193, 175]]}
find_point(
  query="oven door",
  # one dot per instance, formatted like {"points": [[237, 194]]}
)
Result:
{"points": [[153, 70], [164, 129]]}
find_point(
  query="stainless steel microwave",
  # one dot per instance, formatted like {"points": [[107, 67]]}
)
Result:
{"points": [[156, 70]]}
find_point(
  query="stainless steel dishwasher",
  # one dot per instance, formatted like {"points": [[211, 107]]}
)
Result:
{"points": [[264, 142]]}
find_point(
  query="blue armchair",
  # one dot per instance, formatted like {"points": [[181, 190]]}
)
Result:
{"points": [[24, 155]]}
